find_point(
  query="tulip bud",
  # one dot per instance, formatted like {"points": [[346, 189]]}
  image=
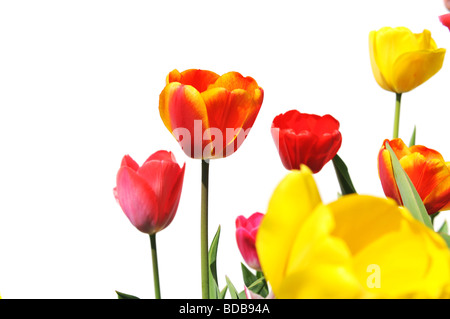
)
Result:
{"points": [[149, 195], [246, 230]]}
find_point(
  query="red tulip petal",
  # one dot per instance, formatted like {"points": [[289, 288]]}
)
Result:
{"points": [[162, 156], [445, 20], [246, 245], [164, 179], [137, 200], [255, 220], [129, 162]]}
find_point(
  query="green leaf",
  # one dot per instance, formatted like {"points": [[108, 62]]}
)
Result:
{"points": [[223, 293], [233, 292], [345, 182], [255, 283], [446, 237], [444, 228], [121, 295], [410, 197], [412, 141], [212, 256]]}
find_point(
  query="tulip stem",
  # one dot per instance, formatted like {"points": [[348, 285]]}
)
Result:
{"points": [[204, 230], [155, 266], [398, 97]]}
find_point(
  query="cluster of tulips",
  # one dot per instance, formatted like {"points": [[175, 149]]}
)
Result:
{"points": [[358, 246]]}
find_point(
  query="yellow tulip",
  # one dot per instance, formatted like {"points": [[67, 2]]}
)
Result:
{"points": [[402, 60], [356, 247]]}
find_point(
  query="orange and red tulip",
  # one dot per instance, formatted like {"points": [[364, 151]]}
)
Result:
{"points": [[427, 170], [209, 115]]}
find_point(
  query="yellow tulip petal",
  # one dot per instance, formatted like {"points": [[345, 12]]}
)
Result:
{"points": [[402, 60], [413, 261], [292, 201], [317, 259], [414, 68]]}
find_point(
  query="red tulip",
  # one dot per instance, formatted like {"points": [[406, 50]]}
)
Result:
{"points": [[427, 170], [445, 20], [149, 195], [246, 230], [306, 139], [209, 115]]}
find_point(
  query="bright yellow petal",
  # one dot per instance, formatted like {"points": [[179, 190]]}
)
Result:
{"points": [[320, 265], [293, 200], [412, 259], [414, 68]]}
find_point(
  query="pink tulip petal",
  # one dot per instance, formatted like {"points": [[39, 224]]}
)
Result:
{"points": [[137, 199]]}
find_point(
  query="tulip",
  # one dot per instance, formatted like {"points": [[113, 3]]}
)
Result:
{"points": [[149, 195], [209, 115], [306, 139], [246, 230], [445, 20], [427, 170], [402, 60], [358, 246]]}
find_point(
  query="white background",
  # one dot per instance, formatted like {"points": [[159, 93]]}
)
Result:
{"points": [[79, 89]]}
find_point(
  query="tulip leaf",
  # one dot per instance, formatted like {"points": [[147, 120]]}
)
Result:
{"points": [[255, 283], [412, 142], [410, 197], [121, 295], [345, 182], [233, 292], [444, 228], [223, 293], [446, 237], [212, 257]]}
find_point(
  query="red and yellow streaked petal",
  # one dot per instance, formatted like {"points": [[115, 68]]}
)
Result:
{"points": [[164, 98], [386, 175], [199, 79], [425, 175], [234, 80]]}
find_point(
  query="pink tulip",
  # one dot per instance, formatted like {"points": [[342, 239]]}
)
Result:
{"points": [[149, 195], [246, 230]]}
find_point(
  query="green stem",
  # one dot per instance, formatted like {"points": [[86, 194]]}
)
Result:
{"points": [[398, 97], [204, 230], [155, 266]]}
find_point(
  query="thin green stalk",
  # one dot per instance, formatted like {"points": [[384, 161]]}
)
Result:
{"points": [[155, 266], [204, 230], [398, 98]]}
